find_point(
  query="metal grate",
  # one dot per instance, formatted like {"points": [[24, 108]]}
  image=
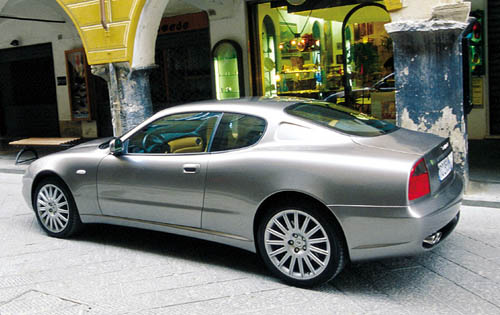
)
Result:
{"points": [[184, 69]]}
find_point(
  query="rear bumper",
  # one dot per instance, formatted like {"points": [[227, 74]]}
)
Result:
{"points": [[382, 232]]}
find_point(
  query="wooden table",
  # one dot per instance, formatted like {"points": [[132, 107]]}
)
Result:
{"points": [[28, 145]]}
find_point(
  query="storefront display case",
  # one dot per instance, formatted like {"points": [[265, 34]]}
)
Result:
{"points": [[78, 84], [228, 70], [324, 50]]}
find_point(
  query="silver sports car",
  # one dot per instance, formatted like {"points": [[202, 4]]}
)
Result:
{"points": [[308, 185]]}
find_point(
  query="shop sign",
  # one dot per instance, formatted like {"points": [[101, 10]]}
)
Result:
{"points": [[182, 23], [393, 5], [477, 92]]}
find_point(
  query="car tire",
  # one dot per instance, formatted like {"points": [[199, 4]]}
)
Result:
{"points": [[306, 255], [55, 209]]}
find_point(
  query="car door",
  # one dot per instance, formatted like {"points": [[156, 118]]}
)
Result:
{"points": [[160, 177], [233, 182]]}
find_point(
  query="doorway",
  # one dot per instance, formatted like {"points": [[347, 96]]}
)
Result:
{"points": [[28, 101], [494, 65], [184, 69]]}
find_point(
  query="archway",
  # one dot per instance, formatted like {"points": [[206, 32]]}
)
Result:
{"points": [[347, 36]]}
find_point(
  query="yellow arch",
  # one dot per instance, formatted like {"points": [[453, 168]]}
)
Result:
{"points": [[104, 46]]}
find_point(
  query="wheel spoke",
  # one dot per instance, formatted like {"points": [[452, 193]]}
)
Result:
{"points": [[51, 192], [280, 226], [46, 220], [284, 259], [275, 242], [287, 221], [319, 250], [40, 201], [276, 233], [59, 198], [316, 259], [278, 251], [63, 211], [62, 204], [43, 195], [43, 214], [301, 266], [318, 240], [61, 217], [58, 223], [313, 230], [296, 220], [292, 265], [309, 265], [304, 225], [51, 222]]}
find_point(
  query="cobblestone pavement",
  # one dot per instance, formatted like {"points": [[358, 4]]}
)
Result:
{"points": [[114, 270]]}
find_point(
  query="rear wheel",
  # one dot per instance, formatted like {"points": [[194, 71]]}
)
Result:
{"points": [[55, 208], [299, 245]]}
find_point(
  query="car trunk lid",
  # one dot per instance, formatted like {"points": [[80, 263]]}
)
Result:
{"points": [[436, 151]]}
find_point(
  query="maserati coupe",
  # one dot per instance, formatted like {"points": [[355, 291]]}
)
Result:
{"points": [[308, 185]]}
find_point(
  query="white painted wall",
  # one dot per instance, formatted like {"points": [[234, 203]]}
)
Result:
{"points": [[234, 27], [31, 33], [420, 9]]}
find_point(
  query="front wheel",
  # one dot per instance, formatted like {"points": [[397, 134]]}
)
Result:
{"points": [[300, 246], [55, 208]]}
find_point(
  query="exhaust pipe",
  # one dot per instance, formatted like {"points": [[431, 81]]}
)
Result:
{"points": [[433, 239]]}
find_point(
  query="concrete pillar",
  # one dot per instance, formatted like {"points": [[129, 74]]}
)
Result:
{"points": [[129, 94], [429, 78]]}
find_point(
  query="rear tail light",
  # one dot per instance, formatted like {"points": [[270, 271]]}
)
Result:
{"points": [[419, 185]]}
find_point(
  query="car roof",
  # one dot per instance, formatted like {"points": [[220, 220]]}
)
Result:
{"points": [[248, 105]]}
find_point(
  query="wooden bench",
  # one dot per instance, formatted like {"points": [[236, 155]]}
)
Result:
{"points": [[28, 145]]}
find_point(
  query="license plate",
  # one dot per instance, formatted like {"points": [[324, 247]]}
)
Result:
{"points": [[445, 166]]}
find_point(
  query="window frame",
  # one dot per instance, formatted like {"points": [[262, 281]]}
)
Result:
{"points": [[126, 141], [216, 128], [288, 110]]}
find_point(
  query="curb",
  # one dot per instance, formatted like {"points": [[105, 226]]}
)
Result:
{"points": [[481, 203], [11, 171]]}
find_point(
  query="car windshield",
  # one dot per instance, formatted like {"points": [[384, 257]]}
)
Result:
{"points": [[341, 118]]}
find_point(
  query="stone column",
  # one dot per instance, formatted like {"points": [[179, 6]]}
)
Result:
{"points": [[129, 94], [429, 76]]}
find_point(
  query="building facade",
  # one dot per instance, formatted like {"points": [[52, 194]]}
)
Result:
{"points": [[192, 50]]}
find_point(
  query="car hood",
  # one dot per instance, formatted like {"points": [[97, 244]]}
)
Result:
{"points": [[90, 144], [402, 140]]}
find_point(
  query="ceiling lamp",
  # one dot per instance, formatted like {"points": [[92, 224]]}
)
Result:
{"points": [[296, 2]]}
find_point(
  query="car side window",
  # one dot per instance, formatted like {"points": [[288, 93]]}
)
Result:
{"points": [[175, 134], [237, 131]]}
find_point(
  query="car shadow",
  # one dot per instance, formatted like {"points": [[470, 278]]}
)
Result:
{"points": [[358, 278], [172, 245]]}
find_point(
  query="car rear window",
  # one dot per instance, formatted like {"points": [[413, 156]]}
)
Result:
{"points": [[341, 119]]}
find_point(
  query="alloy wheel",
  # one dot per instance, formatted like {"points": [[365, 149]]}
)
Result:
{"points": [[297, 244], [53, 208]]}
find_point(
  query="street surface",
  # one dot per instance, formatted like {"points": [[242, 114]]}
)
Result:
{"points": [[115, 270]]}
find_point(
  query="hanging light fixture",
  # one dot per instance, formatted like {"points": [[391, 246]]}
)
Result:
{"points": [[296, 2]]}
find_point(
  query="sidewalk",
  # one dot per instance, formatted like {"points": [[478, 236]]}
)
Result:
{"points": [[484, 165]]}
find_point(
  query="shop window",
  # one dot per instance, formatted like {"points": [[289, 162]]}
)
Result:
{"points": [[312, 59], [228, 68], [269, 56]]}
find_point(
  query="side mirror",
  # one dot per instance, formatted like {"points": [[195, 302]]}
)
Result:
{"points": [[116, 146]]}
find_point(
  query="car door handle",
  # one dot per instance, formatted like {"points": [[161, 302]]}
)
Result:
{"points": [[191, 168]]}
